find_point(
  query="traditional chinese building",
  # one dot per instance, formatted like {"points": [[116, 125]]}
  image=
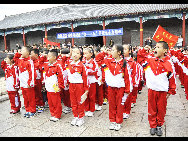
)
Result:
{"points": [[139, 21]]}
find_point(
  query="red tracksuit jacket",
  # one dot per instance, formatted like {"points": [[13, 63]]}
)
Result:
{"points": [[114, 74], [27, 74], [91, 70], [159, 73], [77, 73], [11, 76], [53, 76]]}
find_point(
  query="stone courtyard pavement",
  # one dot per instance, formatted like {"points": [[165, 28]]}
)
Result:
{"points": [[137, 125]]}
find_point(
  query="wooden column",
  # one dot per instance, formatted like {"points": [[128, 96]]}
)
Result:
{"points": [[141, 32], [46, 35], [5, 41], [183, 29], [24, 38], [72, 31], [104, 37]]}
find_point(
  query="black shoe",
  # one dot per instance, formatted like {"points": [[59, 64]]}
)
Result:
{"points": [[159, 131], [153, 131], [139, 92]]}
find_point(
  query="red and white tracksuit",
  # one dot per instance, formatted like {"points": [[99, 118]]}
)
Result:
{"points": [[138, 78], [186, 75], [160, 80], [27, 77], [53, 78], [38, 86], [91, 72], [12, 84], [119, 81], [133, 71], [78, 84], [181, 64], [102, 90], [99, 87]]}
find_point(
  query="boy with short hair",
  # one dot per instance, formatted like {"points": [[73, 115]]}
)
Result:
{"points": [[161, 83], [54, 82], [38, 86], [27, 77]]}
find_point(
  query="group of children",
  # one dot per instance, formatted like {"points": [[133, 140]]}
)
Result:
{"points": [[84, 77]]}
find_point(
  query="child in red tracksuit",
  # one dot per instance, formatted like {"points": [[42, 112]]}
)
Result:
{"points": [[118, 79], [27, 77], [91, 71], [78, 86], [38, 86], [186, 73], [130, 61], [99, 84], [12, 82], [53, 79], [65, 95], [160, 80], [182, 67]]}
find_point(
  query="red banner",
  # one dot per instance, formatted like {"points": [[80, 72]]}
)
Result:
{"points": [[162, 35], [51, 43]]}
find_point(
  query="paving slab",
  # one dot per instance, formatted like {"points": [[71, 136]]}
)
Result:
{"points": [[137, 125]]}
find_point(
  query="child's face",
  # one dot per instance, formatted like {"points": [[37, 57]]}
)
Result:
{"points": [[33, 55], [114, 52], [87, 54], [51, 58], [126, 50], [24, 52], [159, 50], [76, 55]]}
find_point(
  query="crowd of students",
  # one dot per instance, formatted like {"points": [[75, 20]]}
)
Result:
{"points": [[86, 77]]}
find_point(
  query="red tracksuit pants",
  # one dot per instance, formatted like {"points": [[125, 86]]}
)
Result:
{"points": [[157, 103], [76, 90], [181, 78], [14, 100], [115, 107], [66, 98], [38, 93], [99, 94], [105, 90], [54, 102], [29, 99], [140, 86], [186, 85], [90, 100], [134, 94], [127, 105]]}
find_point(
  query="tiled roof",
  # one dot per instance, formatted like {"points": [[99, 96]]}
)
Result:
{"points": [[73, 12]]}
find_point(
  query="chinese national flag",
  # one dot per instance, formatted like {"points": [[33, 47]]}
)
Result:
{"points": [[162, 35], [50, 43]]}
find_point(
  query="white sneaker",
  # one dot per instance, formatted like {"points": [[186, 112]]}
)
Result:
{"points": [[90, 114], [125, 116], [87, 113], [118, 127], [132, 105], [112, 125], [96, 106], [80, 122], [55, 119], [51, 118], [74, 121], [99, 108]]}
